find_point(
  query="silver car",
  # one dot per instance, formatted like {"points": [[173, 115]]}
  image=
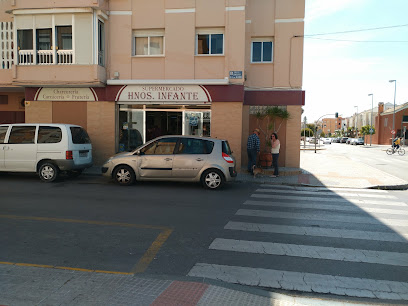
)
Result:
{"points": [[175, 158]]}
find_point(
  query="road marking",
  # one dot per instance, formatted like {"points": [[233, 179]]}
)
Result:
{"points": [[333, 199], [309, 251], [318, 232], [147, 257], [351, 208], [339, 194], [308, 282], [324, 188], [62, 268], [317, 217]]}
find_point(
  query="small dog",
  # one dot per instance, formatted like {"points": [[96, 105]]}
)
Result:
{"points": [[256, 170]]}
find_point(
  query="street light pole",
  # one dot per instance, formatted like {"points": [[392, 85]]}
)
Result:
{"points": [[355, 132], [371, 122], [393, 115]]}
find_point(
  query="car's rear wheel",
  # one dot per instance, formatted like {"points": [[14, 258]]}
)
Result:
{"points": [[124, 175], [48, 172], [212, 179]]}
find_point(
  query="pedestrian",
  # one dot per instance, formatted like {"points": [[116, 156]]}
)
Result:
{"points": [[275, 154], [253, 149]]}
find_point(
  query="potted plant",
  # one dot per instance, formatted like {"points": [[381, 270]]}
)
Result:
{"points": [[266, 121]]}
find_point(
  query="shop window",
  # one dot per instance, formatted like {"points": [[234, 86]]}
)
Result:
{"points": [[3, 132], [262, 50], [148, 43], [209, 42], [22, 135], [49, 134]]}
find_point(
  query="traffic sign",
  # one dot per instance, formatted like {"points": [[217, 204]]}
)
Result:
{"points": [[393, 132]]}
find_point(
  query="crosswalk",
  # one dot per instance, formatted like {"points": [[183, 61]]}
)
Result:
{"points": [[349, 242]]}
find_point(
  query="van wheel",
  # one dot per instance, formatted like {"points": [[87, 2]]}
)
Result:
{"points": [[48, 172], [212, 179], [124, 175]]}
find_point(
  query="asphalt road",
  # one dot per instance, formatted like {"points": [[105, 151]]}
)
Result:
{"points": [[316, 241], [374, 156]]}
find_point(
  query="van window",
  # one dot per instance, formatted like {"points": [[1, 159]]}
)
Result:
{"points": [[22, 134], [79, 135], [49, 134], [3, 132]]}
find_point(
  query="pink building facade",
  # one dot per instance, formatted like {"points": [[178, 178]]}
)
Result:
{"points": [[131, 70]]}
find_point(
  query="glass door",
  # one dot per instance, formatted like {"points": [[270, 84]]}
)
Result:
{"points": [[131, 128]]}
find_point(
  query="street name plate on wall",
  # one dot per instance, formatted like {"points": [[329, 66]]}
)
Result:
{"points": [[164, 94], [235, 74], [65, 94]]}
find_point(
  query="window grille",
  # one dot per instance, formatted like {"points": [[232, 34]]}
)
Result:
{"points": [[6, 45]]}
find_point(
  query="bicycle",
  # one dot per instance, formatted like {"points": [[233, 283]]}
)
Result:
{"points": [[393, 150]]}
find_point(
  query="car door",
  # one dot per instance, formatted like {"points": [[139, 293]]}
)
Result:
{"points": [[3, 146], [156, 159], [191, 156], [21, 149]]}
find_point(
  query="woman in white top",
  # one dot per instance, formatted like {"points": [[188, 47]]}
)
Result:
{"points": [[275, 154]]}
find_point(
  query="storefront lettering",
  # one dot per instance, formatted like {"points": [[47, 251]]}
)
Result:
{"points": [[64, 94], [164, 93]]}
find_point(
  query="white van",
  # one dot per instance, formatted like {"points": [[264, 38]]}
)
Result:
{"points": [[44, 148]]}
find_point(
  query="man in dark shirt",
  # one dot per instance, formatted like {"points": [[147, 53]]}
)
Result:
{"points": [[253, 149]]}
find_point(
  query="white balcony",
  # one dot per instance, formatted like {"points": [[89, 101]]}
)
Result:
{"points": [[26, 57], [45, 57]]}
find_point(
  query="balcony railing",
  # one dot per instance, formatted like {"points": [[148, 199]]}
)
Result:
{"points": [[26, 57], [65, 57], [45, 57]]}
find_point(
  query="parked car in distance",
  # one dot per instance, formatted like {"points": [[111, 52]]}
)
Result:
{"points": [[327, 141], [358, 141], [350, 140], [175, 158], [46, 149], [336, 140], [343, 140], [313, 140]]}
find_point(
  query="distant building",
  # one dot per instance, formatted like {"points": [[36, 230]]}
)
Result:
{"points": [[384, 123]]}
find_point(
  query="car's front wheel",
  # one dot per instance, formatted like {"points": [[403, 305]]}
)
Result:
{"points": [[212, 179], [48, 172], [124, 175]]}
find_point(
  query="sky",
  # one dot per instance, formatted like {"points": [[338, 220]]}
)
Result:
{"points": [[341, 70]]}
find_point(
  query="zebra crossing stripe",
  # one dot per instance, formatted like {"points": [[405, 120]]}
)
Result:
{"points": [[361, 190], [350, 208], [317, 232], [331, 200], [340, 194], [316, 217], [307, 282], [309, 251]]}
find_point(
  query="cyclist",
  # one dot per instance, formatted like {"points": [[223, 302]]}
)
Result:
{"points": [[397, 143]]}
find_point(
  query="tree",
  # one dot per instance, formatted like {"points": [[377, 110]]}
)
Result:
{"points": [[306, 132], [267, 120]]}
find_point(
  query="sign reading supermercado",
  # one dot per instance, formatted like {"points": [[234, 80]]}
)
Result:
{"points": [[65, 94], [164, 94]]}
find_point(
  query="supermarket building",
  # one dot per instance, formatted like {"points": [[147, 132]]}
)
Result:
{"points": [[130, 70]]}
